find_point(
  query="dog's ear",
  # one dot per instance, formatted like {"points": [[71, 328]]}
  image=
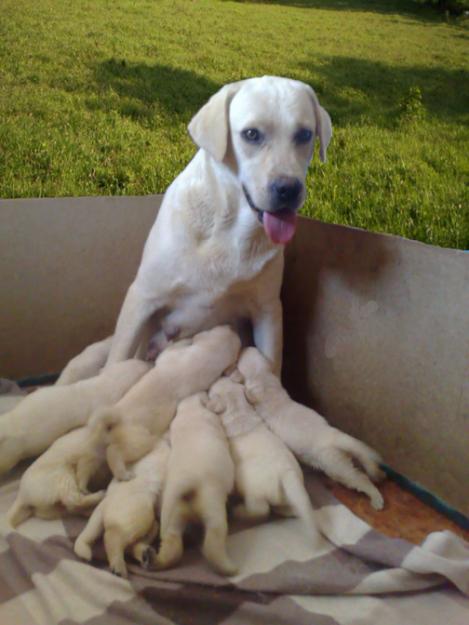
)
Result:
{"points": [[323, 130], [209, 127]]}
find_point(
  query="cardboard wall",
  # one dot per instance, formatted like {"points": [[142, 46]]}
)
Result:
{"points": [[377, 339], [376, 327], [65, 267]]}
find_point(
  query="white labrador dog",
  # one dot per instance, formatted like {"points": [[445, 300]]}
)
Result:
{"points": [[40, 418], [267, 474], [306, 433], [215, 252], [126, 515], [200, 477]]}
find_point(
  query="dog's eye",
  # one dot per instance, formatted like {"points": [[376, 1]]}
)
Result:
{"points": [[304, 135], [252, 135]]}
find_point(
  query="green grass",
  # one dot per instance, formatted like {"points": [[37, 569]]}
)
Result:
{"points": [[95, 98]]}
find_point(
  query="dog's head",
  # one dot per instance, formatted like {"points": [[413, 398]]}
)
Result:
{"points": [[264, 130]]}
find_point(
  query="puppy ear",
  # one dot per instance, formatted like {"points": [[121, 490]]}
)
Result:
{"points": [[209, 127], [323, 130]]}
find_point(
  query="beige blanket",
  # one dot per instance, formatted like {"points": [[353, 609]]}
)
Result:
{"points": [[353, 576]]}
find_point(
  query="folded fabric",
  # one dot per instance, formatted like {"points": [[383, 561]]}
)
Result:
{"points": [[352, 575]]}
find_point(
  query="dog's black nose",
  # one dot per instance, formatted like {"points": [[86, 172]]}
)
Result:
{"points": [[285, 193]]}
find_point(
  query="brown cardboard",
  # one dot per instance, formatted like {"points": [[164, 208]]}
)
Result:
{"points": [[65, 267], [377, 339], [376, 326]]}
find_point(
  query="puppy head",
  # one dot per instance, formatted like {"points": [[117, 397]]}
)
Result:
{"points": [[264, 129], [253, 364]]}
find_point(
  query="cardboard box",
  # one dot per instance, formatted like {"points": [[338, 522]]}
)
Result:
{"points": [[376, 326]]}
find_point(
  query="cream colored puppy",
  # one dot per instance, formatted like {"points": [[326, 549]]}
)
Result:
{"points": [[43, 416], [267, 475], [57, 482], [200, 477], [126, 515], [145, 412], [306, 433], [87, 364]]}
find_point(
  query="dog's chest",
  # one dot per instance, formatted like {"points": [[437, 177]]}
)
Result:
{"points": [[222, 265]]}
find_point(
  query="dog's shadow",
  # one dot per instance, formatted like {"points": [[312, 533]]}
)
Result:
{"points": [[410, 9], [141, 91]]}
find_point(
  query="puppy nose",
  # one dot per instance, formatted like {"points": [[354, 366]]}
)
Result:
{"points": [[286, 192]]}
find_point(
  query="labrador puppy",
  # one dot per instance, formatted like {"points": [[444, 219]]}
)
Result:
{"points": [[41, 417], [199, 479], [57, 482], [306, 433], [87, 364], [126, 515], [215, 252], [184, 368], [267, 474]]}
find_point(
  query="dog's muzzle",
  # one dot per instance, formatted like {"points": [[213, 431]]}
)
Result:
{"points": [[280, 223]]}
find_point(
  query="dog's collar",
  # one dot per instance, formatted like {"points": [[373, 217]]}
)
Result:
{"points": [[258, 211]]}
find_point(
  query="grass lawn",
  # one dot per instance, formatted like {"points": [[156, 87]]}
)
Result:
{"points": [[95, 97]]}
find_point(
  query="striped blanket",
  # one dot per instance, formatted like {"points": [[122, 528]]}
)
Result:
{"points": [[353, 575]]}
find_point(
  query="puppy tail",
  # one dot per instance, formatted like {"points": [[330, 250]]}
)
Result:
{"points": [[18, 513], [298, 499]]}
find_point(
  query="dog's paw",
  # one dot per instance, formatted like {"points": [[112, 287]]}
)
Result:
{"points": [[123, 476], [254, 392], [215, 404], [118, 568], [376, 499], [83, 550]]}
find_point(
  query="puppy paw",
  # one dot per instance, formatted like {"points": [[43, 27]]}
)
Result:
{"points": [[253, 392], [119, 569], [83, 550], [377, 500], [215, 404], [123, 476]]}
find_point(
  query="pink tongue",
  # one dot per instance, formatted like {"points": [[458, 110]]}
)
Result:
{"points": [[279, 228]]}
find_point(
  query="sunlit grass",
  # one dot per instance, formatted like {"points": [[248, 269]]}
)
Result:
{"points": [[95, 98]]}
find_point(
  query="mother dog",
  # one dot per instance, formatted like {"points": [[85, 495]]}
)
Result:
{"points": [[215, 252]]}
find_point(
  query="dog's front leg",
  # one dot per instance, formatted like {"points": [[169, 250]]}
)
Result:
{"points": [[135, 312], [268, 334]]}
